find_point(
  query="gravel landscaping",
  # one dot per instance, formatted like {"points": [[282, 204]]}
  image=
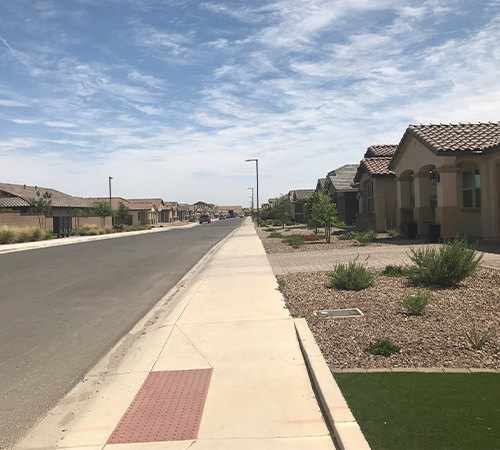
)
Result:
{"points": [[437, 338], [274, 245]]}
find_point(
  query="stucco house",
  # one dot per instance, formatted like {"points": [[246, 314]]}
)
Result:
{"points": [[339, 185], [299, 198], [376, 190], [17, 205], [450, 174]]}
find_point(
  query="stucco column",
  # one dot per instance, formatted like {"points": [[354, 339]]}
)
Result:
{"points": [[447, 210], [422, 212], [403, 193]]}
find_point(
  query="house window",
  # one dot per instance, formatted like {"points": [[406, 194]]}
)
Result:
{"points": [[471, 189], [368, 196]]}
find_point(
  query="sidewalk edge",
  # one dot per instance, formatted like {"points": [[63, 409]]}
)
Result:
{"points": [[346, 430]]}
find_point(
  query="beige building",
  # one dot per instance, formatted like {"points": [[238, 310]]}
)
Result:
{"points": [[376, 190], [449, 174]]}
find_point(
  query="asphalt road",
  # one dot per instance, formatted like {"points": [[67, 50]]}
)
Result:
{"points": [[62, 308]]}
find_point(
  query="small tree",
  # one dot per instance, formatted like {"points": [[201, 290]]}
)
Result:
{"points": [[311, 220], [42, 204], [281, 208], [325, 213], [103, 210], [123, 211]]}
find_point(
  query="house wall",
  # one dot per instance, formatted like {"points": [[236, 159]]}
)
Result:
{"points": [[15, 219]]}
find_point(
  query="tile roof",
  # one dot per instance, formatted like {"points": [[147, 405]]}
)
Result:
{"points": [[135, 204], [376, 151], [342, 178], [59, 199], [302, 195], [450, 138], [321, 183], [9, 202], [374, 167]]}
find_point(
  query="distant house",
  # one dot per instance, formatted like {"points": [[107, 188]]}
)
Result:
{"points": [[321, 185], [143, 212], [299, 198], [449, 174], [339, 185], [376, 190]]}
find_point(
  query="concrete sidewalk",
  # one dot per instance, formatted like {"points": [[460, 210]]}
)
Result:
{"points": [[226, 321]]}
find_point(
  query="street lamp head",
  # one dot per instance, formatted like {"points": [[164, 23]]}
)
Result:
{"points": [[248, 160]]}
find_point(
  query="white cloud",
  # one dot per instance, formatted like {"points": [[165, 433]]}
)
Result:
{"points": [[12, 103]]}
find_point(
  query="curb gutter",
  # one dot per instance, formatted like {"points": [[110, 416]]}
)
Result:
{"points": [[346, 430]]}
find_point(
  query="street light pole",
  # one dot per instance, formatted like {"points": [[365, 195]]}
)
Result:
{"points": [[112, 218], [257, 171], [252, 201]]}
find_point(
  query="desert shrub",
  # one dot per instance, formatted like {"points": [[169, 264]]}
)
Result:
{"points": [[382, 347], [275, 235], [294, 240], [262, 223], [281, 285], [17, 235], [338, 223], [351, 277], [23, 234], [365, 237], [415, 304], [48, 234], [347, 236], [446, 266], [7, 235], [477, 338], [393, 232], [394, 271], [277, 223], [268, 229], [289, 221]]}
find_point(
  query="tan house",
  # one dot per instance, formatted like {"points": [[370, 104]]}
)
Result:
{"points": [[376, 190], [339, 185], [299, 198], [143, 212], [449, 174], [16, 201]]}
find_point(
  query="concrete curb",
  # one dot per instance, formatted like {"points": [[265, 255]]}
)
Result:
{"points": [[9, 248], [346, 430]]}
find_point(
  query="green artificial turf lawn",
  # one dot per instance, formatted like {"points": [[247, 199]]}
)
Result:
{"points": [[425, 410]]}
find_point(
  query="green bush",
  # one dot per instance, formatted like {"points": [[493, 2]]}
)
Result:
{"points": [[262, 223], [365, 237], [382, 347], [446, 266], [350, 277], [277, 223], [415, 304], [268, 229], [294, 240], [393, 232], [275, 234], [394, 271], [347, 236], [48, 234]]}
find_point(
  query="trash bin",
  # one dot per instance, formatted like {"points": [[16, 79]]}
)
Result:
{"points": [[433, 233], [412, 230], [62, 226]]}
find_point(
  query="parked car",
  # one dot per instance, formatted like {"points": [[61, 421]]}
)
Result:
{"points": [[222, 217], [205, 218]]}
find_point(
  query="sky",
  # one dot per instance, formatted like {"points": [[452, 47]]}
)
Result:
{"points": [[171, 97]]}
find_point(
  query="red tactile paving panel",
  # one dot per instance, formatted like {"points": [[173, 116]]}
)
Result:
{"points": [[168, 407]]}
